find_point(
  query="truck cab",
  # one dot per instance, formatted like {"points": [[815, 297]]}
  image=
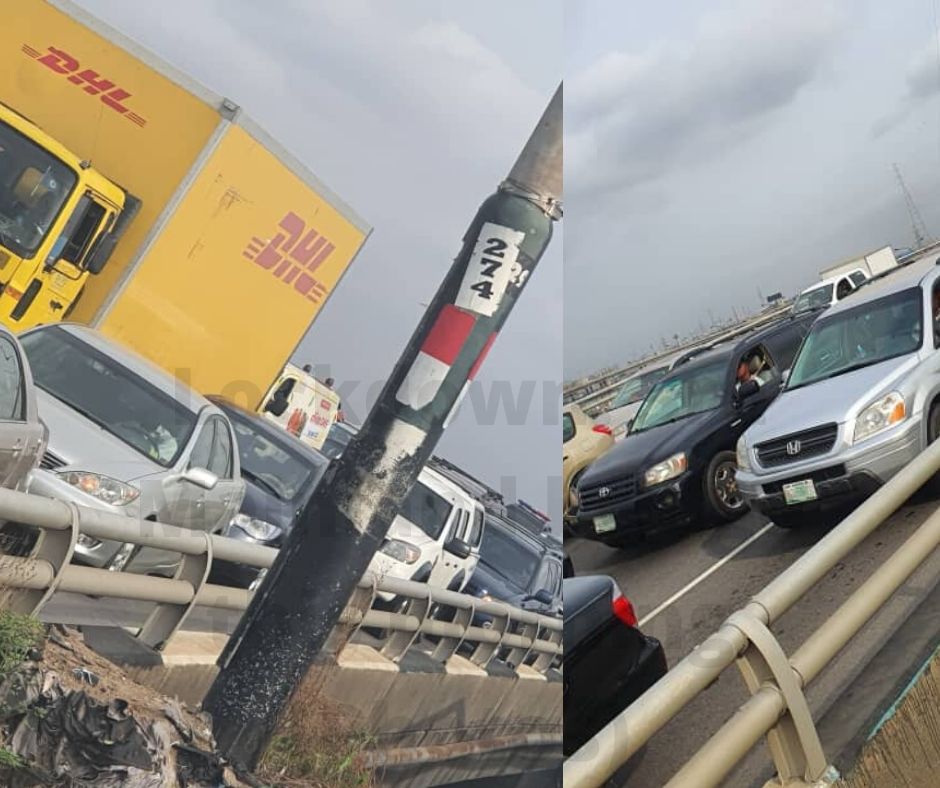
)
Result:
{"points": [[60, 219]]}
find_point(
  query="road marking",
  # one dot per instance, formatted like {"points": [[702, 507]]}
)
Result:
{"points": [[707, 573]]}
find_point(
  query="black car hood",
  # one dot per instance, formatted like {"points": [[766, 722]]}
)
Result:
{"points": [[262, 505], [639, 450], [485, 581]]}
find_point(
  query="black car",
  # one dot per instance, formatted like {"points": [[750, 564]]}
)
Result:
{"points": [[608, 662], [518, 568], [280, 476], [676, 466], [337, 439]]}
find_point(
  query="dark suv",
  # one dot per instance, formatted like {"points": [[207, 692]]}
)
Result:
{"points": [[676, 466]]}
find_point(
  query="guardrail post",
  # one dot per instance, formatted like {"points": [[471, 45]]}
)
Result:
{"points": [[544, 660], [360, 603], [518, 656], [794, 742], [166, 619], [55, 547], [484, 652], [446, 646], [399, 641]]}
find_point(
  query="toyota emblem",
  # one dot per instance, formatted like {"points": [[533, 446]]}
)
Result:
{"points": [[603, 492], [793, 448]]}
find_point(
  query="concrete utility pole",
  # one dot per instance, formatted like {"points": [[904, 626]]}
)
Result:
{"points": [[300, 601]]}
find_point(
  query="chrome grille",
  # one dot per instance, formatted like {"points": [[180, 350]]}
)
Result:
{"points": [[797, 446], [51, 461], [604, 497]]}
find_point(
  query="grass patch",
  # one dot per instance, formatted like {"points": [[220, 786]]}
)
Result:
{"points": [[329, 761], [18, 634], [10, 760]]}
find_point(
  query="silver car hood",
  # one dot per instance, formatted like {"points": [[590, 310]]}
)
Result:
{"points": [[838, 399], [84, 446]]}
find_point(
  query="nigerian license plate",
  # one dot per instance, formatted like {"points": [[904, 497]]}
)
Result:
{"points": [[799, 492], [605, 523]]}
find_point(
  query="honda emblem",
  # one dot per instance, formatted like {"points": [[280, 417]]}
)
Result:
{"points": [[793, 448]]}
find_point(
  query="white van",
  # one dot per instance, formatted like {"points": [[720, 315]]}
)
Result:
{"points": [[435, 538], [302, 405], [828, 292]]}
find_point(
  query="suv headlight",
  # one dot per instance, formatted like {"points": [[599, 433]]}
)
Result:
{"points": [[401, 551], [741, 457], [880, 415], [666, 470], [261, 530], [104, 488]]}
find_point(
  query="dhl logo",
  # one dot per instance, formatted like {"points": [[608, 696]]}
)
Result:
{"points": [[293, 256], [92, 82]]}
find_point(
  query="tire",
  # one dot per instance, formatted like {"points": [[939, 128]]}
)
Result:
{"points": [[722, 498]]}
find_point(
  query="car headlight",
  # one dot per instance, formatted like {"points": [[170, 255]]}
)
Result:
{"points": [[485, 597], [880, 415], [104, 488], [741, 457], [666, 470], [261, 530], [401, 551]]}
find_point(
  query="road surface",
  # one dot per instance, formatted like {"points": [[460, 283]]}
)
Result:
{"points": [[683, 590]]}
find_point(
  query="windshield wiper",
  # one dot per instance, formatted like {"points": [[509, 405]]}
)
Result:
{"points": [[836, 373], [254, 477]]}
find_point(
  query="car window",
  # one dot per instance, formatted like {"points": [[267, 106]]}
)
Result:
{"points": [[477, 530], [858, 278], [11, 383], [844, 288], [104, 391], [508, 556], [220, 460], [685, 393], [935, 311], [816, 298], [202, 448], [426, 509], [869, 333], [567, 428]]}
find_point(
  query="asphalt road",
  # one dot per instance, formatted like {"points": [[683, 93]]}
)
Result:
{"points": [[684, 589]]}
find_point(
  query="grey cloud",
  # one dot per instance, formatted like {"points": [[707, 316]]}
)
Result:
{"points": [[923, 82], [635, 118]]}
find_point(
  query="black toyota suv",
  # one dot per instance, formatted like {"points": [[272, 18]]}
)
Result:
{"points": [[676, 465]]}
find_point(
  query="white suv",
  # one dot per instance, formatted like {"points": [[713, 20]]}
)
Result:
{"points": [[435, 538]]}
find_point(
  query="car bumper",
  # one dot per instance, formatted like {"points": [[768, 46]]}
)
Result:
{"points": [[668, 507], [842, 477]]}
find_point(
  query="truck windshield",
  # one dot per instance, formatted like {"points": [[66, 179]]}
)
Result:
{"points": [[811, 300], [34, 185], [273, 465], [509, 557], [426, 509], [110, 395], [859, 337], [683, 394]]}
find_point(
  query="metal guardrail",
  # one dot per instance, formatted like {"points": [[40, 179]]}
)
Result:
{"points": [[28, 583], [777, 708], [593, 402]]}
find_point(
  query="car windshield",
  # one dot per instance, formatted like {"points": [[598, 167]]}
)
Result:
{"points": [[337, 439], [811, 300], [683, 394], [273, 464], [859, 337], [107, 393], [636, 388], [509, 557], [34, 185], [426, 509]]}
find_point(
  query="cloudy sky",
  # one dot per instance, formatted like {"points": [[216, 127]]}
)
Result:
{"points": [[714, 149], [412, 112]]}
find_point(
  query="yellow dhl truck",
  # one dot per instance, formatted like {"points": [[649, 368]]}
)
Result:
{"points": [[138, 202]]}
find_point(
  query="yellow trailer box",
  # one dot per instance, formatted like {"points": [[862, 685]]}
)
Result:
{"points": [[235, 245]]}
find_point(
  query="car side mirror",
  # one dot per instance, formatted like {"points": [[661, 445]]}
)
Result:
{"points": [[567, 568], [458, 547], [276, 406], [748, 389], [99, 256], [200, 477], [543, 596]]}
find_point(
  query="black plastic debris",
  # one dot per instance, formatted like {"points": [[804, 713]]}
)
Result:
{"points": [[197, 768]]}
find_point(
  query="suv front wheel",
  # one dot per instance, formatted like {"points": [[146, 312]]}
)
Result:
{"points": [[721, 490]]}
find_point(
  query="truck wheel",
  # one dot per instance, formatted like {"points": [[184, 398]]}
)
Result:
{"points": [[721, 491]]}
